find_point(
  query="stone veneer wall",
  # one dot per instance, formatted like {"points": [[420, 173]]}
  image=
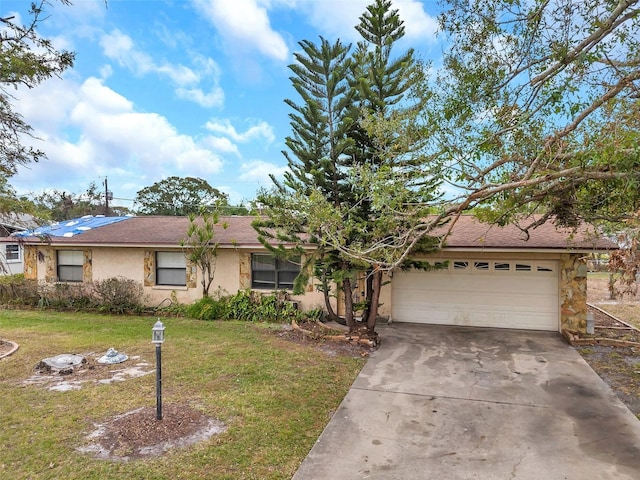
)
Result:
{"points": [[149, 266], [573, 293], [192, 274], [30, 262], [244, 259], [87, 267], [50, 266], [149, 269]]}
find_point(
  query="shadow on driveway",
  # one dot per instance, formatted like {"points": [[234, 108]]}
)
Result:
{"points": [[437, 402]]}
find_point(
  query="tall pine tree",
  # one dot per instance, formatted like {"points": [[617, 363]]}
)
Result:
{"points": [[354, 183]]}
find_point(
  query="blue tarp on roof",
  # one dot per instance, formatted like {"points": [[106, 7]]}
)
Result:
{"points": [[71, 228]]}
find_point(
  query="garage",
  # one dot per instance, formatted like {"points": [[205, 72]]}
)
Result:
{"points": [[520, 294]]}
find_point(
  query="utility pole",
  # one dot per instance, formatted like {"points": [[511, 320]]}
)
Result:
{"points": [[106, 197]]}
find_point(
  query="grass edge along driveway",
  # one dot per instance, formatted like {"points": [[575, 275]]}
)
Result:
{"points": [[274, 396]]}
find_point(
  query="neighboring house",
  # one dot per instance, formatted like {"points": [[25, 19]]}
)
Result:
{"points": [[11, 252], [490, 276]]}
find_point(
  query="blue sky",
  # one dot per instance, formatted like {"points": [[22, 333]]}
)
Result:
{"points": [[180, 87]]}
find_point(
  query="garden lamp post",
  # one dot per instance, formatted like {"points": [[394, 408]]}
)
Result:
{"points": [[157, 340]]}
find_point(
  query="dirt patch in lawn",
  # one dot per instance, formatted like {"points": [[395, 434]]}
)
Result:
{"points": [[316, 335], [618, 366], [7, 348], [138, 434], [90, 372]]}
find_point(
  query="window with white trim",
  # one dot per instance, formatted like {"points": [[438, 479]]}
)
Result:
{"points": [[69, 265], [171, 269], [12, 252], [269, 272]]}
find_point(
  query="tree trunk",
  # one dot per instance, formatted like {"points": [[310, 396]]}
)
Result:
{"points": [[332, 316], [376, 286], [368, 294], [348, 304]]}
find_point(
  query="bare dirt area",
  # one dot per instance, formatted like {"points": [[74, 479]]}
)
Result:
{"points": [[140, 434], [616, 357], [316, 335], [89, 371], [5, 348]]}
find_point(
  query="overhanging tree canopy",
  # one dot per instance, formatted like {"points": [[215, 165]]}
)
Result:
{"points": [[26, 60], [534, 110], [540, 107]]}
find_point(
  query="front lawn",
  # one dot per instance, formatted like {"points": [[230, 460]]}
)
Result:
{"points": [[274, 396]]}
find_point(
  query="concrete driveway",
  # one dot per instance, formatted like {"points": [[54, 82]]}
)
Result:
{"points": [[457, 403]]}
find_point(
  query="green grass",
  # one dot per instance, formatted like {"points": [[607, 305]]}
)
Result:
{"points": [[274, 396]]}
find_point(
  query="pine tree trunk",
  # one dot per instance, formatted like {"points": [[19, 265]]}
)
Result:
{"points": [[348, 304], [375, 299]]}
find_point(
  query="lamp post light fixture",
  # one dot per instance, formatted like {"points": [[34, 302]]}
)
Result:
{"points": [[158, 339]]}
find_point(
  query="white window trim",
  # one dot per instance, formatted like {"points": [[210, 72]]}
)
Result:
{"points": [[13, 260]]}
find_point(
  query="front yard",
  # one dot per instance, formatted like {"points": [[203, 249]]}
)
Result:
{"points": [[267, 398], [272, 396]]}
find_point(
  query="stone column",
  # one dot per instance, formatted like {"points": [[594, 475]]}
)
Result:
{"points": [[573, 293]]}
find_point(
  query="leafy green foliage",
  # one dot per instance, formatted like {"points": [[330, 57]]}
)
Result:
{"points": [[179, 196], [207, 308], [16, 290], [245, 305], [201, 247], [60, 205], [539, 108], [11, 205], [26, 59]]}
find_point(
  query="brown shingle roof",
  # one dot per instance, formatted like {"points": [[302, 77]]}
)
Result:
{"points": [[467, 233], [162, 230]]}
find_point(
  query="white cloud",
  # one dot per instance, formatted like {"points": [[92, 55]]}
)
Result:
{"points": [[322, 14], [262, 129], [222, 144], [260, 171], [48, 108], [120, 48], [214, 98], [112, 139], [139, 140], [245, 25], [418, 23]]}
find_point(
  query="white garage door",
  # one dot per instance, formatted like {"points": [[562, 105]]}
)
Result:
{"points": [[505, 294]]}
